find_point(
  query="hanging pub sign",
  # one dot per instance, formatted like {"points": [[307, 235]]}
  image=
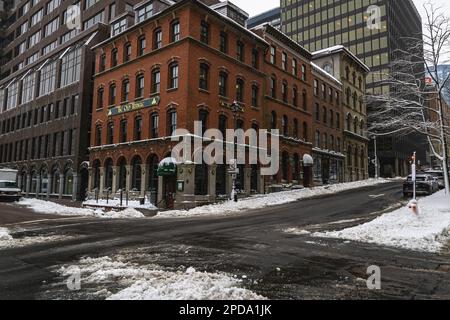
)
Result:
{"points": [[147, 103]]}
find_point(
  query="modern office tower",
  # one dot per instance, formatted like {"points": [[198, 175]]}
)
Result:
{"points": [[46, 90], [272, 17], [372, 30]]}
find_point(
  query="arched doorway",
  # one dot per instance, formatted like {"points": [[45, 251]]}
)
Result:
{"points": [[84, 182], [44, 181], [96, 175], [109, 175], [167, 169], [68, 182], [254, 178], [34, 182], [122, 174], [136, 173], [54, 188], [153, 163]]}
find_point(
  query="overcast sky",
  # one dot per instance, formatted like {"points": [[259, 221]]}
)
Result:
{"points": [[254, 7]]}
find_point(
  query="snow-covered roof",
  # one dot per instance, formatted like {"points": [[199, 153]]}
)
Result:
{"points": [[339, 48], [325, 74]]}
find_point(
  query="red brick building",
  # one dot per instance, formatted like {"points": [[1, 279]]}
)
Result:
{"points": [[187, 63], [328, 128]]}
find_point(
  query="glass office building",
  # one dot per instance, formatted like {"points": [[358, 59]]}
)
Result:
{"points": [[372, 30]]}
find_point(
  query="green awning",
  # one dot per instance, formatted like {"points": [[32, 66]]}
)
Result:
{"points": [[167, 167]]}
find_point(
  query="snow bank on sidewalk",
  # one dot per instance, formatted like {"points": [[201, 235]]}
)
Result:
{"points": [[116, 203], [401, 228], [146, 282], [4, 234], [273, 199], [48, 207]]}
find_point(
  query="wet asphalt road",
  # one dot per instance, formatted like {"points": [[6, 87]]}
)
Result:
{"points": [[286, 266]]}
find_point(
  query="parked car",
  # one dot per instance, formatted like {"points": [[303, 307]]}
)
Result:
{"points": [[439, 175], [426, 184], [9, 191]]}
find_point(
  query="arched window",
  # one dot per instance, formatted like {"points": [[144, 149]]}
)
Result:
{"points": [[142, 44], [114, 57], [296, 169], [68, 182], [136, 173], [349, 122], [284, 125], [125, 90], [112, 94], [296, 128], [140, 85], [348, 96], [55, 181], [240, 90], [171, 122], [137, 128], [273, 87], [223, 84], [331, 118], [122, 174], [355, 100], [273, 120], [110, 133], [203, 118], [157, 39], [324, 115], [100, 97], [284, 91], [154, 125], [255, 96], [355, 125], [204, 76], [98, 135], [175, 31], [127, 52], [123, 137], [109, 174], [173, 75], [156, 80], [295, 97]]}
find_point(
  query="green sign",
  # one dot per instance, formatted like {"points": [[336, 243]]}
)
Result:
{"points": [[167, 169], [147, 103]]}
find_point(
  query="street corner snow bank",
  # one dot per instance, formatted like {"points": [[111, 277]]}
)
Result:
{"points": [[48, 207], [427, 232], [268, 200], [123, 280], [128, 213], [4, 234]]}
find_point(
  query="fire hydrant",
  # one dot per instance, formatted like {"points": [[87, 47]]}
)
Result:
{"points": [[413, 205]]}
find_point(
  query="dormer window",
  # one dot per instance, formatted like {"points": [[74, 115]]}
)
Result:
{"points": [[119, 26], [144, 12]]}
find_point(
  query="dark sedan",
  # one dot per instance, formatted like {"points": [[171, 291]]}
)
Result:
{"points": [[425, 185]]}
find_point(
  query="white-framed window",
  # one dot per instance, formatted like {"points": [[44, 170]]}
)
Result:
{"points": [[22, 47], [33, 58], [28, 88], [119, 26], [13, 95], [100, 17], [90, 3], [48, 79], [36, 18], [71, 67], [51, 27], [34, 39], [144, 12], [52, 5], [50, 47]]}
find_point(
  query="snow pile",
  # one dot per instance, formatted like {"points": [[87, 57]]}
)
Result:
{"points": [[401, 228], [4, 234], [28, 241], [48, 207], [273, 199], [116, 203], [135, 282]]}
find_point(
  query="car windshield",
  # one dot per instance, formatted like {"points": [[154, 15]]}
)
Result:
{"points": [[8, 184]]}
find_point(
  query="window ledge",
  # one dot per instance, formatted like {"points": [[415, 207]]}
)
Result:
{"points": [[172, 89]]}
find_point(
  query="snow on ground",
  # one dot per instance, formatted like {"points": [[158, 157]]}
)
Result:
{"points": [[4, 235], [131, 281], [429, 231], [273, 199], [27, 241], [116, 203], [48, 207]]}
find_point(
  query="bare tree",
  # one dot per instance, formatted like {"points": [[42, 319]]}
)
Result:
{"points": [[412, 105]]}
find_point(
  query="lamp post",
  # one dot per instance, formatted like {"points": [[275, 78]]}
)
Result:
{"points": [[235, 108], [376, 156]]}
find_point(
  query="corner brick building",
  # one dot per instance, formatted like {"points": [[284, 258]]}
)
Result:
{"points": [[189, 63]]}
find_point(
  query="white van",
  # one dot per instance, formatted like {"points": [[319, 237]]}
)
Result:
{"points": [[9, 191]]}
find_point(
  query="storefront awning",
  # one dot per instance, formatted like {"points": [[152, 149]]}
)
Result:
{"points": [[167, 167]]}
